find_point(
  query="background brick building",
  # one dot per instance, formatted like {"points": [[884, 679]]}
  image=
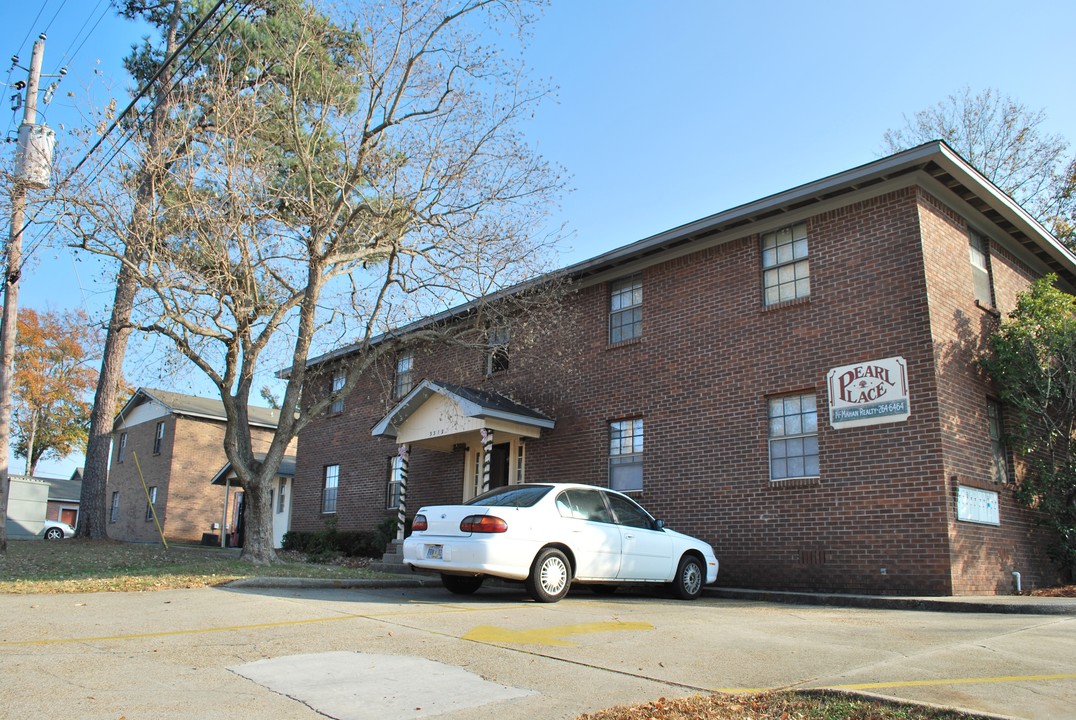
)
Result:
{"points": [[701, 357], [177, 442]]}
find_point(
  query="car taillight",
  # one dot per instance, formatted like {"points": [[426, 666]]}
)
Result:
{"points": [[419, 524], [483, 524]]}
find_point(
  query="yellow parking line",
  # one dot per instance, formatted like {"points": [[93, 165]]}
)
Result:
{"points": [[258, 626], [174, 633]]}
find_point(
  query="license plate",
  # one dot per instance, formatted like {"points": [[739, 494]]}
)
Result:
{"points": [[434, 552]]}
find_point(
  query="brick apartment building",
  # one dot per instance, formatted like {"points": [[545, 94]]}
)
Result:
{"points": [[177, 441], [793, 380]]}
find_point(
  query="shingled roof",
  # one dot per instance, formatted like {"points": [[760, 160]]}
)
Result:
{"points": [[193, 406]]}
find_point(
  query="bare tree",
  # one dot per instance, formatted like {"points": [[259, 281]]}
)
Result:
{"points": [[1006, 142], [351, 170]]}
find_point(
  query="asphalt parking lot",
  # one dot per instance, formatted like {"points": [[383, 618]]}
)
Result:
{"points": [[420, 652]]}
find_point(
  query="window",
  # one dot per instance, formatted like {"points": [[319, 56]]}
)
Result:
{"points": [[281, 498], [332, 482], [497, 350], [339, 378], [114, 513], [626, 309], [793, 437], [152, 493], [158, 436], [121, 451], [980, 269], [999, 471], [626, 455], [403, 382], [785, 272], [395, 486]]}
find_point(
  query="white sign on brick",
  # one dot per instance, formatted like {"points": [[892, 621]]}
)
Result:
{"points": [[868, 393]]}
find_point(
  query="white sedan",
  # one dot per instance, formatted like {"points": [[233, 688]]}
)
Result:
{"points": [[549, 535]]}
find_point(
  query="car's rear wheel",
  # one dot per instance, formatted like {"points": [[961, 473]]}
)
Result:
{"points": [[461, 584], [54, 533], [689, 578], [550, 577]]}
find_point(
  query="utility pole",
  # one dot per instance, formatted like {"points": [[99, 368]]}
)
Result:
{"points": [[33, 160]]}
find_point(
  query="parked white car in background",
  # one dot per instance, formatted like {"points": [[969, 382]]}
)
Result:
{"points": [[549, 535], [56, 530]]}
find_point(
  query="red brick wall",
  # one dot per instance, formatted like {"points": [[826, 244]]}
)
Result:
{"points": [[983, 557], [879, 518]]}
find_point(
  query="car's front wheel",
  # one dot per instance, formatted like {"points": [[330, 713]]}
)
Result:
{"points": [[54, 533], [550, 577], [461, 584], [689, 579]]}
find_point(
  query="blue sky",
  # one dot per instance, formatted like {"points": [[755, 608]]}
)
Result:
{"points": [[666, 112]]}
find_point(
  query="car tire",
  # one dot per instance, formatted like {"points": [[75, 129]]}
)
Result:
{"points": [[462, 584], [551, 576], [690, 577], [54, 533], [603, 589]]}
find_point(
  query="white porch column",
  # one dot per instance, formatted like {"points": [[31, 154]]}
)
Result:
{"points": [[487, 456], [405, 453]]}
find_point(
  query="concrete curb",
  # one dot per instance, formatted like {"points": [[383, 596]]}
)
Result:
{"points": [[1001, 604], [1019, 605]]}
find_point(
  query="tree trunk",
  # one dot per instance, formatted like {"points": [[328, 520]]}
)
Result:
{"points": [[91, 517], [31, 461], [258, 539]]}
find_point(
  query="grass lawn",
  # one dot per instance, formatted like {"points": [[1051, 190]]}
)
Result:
{"points": [[68, 566]]}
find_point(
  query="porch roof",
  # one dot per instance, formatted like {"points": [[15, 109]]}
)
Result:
{"points": [[481, 407]]}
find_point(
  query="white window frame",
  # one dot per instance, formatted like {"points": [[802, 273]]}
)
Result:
{"points": [[395, 482], [330, 489], [152, 492], [786, 271], [625, 309], [158, 437], [403, 380], [114, 511], [338, 382], [981, 277], [121, 451], [626, 445], [793, 437]]}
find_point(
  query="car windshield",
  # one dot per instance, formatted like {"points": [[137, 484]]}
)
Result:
{"points": [[512, 496]]}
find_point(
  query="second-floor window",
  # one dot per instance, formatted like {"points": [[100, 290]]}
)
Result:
{"points": [[980, 269], [626, 309], [786, 274], [121, 451], [404, 379], [158, 438], [497, 350], [339, 379]]}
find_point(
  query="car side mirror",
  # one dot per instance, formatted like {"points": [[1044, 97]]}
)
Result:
{"points": [[659, 524]]}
